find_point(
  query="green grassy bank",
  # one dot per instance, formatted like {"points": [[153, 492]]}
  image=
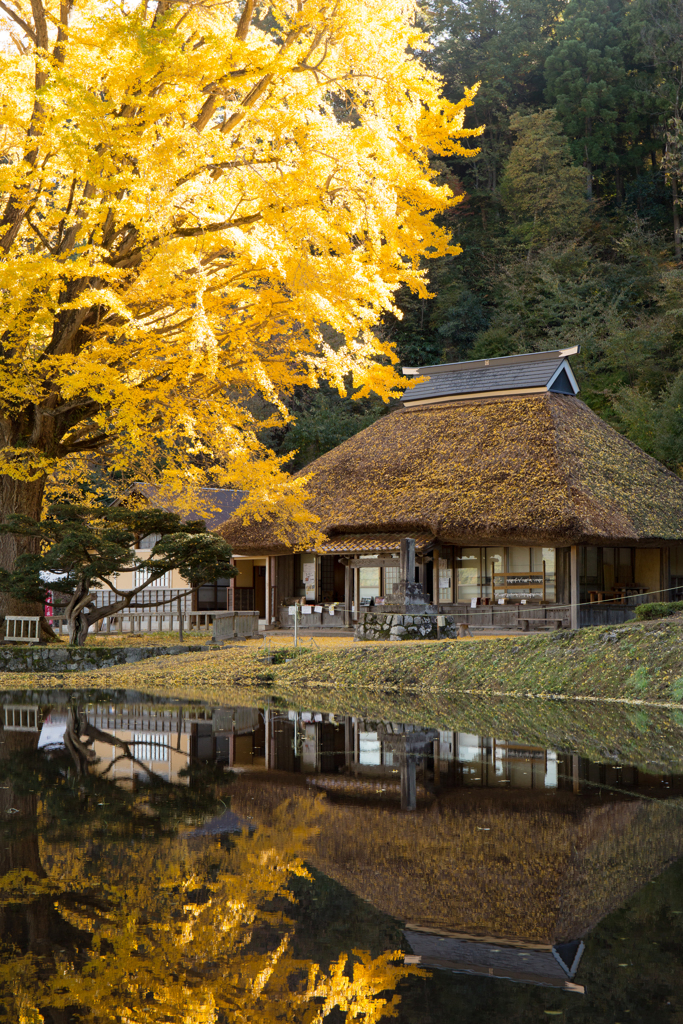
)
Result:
{"points": [[607, 693], [641, 661]]}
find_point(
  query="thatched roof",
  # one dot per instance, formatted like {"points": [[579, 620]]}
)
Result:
{"points": [[538, 469], [485, 864]]}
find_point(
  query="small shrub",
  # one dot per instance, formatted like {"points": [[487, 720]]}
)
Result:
{"points": [[284, 654], [658, 609], [639, 681]]}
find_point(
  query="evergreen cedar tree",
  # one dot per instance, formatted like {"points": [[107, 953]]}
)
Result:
{"points": [[610, 278], [189, 193], [82, 549]]}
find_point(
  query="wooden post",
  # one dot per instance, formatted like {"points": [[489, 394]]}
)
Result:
{"points": [[665, 574], [574, 586], [347, 595], [180, 619], [544, 581], [408, 770], [267, 611], [493, 582], [266, 715], [356, 592]]}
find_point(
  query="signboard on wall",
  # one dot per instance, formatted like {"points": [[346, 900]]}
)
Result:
{"points": [[309, 580]]}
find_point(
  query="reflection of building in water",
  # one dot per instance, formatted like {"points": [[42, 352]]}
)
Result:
{"points": [[346, 754], [511, 855], [529, 963], [534, 869], [166, 738], [356, 749]]}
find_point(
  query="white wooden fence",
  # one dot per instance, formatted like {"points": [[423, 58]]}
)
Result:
{"points": [[147, 622], [224, 625], [22, 629]]}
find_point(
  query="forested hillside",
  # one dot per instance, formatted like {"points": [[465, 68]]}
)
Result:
{"points": [[570, 225]]}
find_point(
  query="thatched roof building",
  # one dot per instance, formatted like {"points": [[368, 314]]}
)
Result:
{"points": [[491, 454]]}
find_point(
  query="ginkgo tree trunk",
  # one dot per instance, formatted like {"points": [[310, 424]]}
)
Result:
{"points": [[203, 204]]}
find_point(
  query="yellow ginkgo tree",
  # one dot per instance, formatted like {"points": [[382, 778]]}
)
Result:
{"points": [[202, 205]]}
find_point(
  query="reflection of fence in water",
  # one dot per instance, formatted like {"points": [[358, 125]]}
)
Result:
{"points": [[22, 719], [151, 746]]}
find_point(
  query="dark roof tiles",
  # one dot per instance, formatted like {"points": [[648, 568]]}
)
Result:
{"points": [[494, 377]]}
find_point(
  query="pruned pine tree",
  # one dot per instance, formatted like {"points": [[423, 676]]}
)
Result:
{"points": [[82, 550]]}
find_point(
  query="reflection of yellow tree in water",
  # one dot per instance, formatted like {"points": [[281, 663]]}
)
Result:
{"points": [[182, 933]]}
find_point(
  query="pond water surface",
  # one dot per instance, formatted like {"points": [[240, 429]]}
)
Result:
{"points": [[168, 861]]}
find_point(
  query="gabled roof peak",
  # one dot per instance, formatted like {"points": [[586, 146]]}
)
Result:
{"points": [[524, 374], [493, 361]]}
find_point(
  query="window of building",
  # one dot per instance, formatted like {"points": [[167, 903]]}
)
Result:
{"points": [[445, 580], [148, 542], [214, 596], [676, 569], [468, 565], [142, 575], [21, 719], [392, 577], [607, 569], [151, 746], [369, 583], [327, 578], [518, 573], [369, 748]]}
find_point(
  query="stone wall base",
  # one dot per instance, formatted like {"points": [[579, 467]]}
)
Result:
{"points": [[403, 626], [74, 659]]}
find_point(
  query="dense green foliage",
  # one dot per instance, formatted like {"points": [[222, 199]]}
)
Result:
{"points": [[658, 610], [569, 227]]}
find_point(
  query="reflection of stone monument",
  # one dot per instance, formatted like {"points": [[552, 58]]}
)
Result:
{"points": [[408, 744]]}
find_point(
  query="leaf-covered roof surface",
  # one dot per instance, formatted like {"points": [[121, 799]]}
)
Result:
{"points": [[530, 469]]}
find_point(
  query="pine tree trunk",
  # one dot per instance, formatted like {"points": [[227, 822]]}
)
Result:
{"points": [[25, 498], [677, 219]]}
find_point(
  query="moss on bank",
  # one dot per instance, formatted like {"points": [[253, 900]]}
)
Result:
{"points": [[637, 661]]}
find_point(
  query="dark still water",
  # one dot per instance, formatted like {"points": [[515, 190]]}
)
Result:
{"points": [[171, 863]]}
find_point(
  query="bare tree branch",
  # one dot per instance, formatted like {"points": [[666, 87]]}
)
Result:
{"points": [[203, 229], [20, 21]]}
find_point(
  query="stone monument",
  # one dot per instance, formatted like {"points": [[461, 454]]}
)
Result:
{"points": [[408, 596], [407, 615]]}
